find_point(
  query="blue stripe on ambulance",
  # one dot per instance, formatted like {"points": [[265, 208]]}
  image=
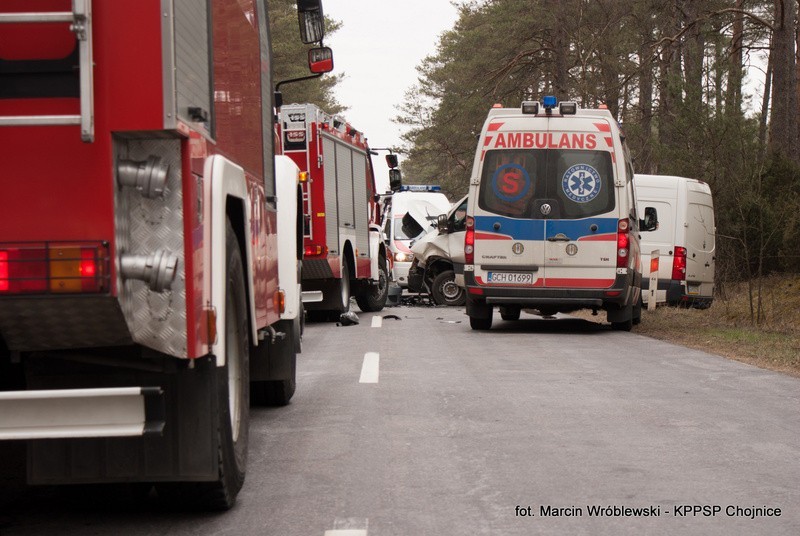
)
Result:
{"points": [[529, 229]]}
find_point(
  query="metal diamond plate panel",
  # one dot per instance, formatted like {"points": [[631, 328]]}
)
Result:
{"points": [[156, 320]]}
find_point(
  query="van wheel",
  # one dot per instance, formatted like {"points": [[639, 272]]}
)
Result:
{"points": [[445, 291], [374, 298]]}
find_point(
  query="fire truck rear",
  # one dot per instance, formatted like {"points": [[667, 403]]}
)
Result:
{"points": [[145, 292], [344, 253]]}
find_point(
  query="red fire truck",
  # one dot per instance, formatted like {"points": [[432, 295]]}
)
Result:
{"points": [[344, 254], [148, 248]]}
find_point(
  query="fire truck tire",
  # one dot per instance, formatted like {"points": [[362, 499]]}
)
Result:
{"points": [[445, 291], [344, 289], [233, 401], [374, 297]]}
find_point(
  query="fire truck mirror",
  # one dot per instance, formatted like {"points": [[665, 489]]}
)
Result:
{"points": [[320, 60], [395, 180], [391, 160], [312, 21]]}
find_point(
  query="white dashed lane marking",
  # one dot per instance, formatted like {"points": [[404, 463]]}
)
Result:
{"points": [[370, 368]]}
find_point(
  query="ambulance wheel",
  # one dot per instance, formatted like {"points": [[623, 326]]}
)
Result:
{"points": [[374, 299], [624, 325], [480, 324], [445, 291], [637, 312], [510, 313]]}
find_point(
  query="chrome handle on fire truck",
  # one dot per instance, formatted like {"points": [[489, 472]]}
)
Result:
{"points": [[81, 19]]}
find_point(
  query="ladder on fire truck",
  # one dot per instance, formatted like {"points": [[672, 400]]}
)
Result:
{"points": [[80, 19]]}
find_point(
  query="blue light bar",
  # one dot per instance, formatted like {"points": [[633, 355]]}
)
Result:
{"points": [[549, 102], [420, 188]]}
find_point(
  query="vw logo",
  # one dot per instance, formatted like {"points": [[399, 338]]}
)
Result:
{"points": [[518, 248], [545, 208]]}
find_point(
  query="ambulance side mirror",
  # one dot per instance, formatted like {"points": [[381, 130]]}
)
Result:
{"points": [[320, 60], [650, 221]]}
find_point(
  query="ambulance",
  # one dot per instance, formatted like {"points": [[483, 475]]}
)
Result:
{"points": [[552, 222], [685, 240]]}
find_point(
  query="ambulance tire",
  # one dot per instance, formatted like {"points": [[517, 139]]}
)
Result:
{"points": [[637, 312], [510, 313], [374, 297], [624, 325], [233, 402], [480, 324], [445, 291]]}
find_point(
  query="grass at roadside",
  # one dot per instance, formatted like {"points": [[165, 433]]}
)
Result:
{"points": [[726, 328]]}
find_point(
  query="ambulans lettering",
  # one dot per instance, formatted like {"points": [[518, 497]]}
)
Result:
{"points": [[543, 140], [511, 182], [581, 183]]}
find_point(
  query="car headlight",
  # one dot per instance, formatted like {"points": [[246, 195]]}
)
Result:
{"points": [[403, 257]]}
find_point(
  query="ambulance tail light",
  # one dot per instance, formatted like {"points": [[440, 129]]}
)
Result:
{"points": [[54, 268], [623, 243], [679, 264], [469, 241]]}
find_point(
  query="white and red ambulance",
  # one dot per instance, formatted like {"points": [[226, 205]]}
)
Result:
{"points": [[551, 222]]}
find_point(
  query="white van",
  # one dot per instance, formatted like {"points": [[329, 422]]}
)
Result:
{"points": [[552, 222], [438, 264], [685, 239], [413, 214]]}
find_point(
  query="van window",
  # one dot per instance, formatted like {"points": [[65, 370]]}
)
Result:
{"points": [[576, 183]]}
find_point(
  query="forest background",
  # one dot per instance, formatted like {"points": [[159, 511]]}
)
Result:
{"points": [[679, 76]]}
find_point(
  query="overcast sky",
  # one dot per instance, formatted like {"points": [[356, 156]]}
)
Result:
{"points": [[378, 48]]}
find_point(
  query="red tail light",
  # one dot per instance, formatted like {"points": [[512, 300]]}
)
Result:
{"points": [[3, 271], [315, 251], [469, 241], [623, 243], [679, 264], [42, 268]]}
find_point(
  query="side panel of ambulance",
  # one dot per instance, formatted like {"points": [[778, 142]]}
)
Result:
{"points": [[685, 238], [550, 216]]}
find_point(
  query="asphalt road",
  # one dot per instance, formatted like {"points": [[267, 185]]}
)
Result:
{"points": [[421, 426]]}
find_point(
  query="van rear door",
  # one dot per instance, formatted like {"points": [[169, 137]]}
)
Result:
{"points": [[581, 228], [700, 241]]}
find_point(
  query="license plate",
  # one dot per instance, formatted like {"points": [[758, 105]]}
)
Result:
{"points": [[694, 289], [514, 278]]}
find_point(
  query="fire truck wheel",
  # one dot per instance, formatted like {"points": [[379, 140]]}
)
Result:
{"points": [[374, 298], [344, 289], [445, 291]]}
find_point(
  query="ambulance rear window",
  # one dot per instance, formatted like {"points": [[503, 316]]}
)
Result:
{"points": [[575, 183]]}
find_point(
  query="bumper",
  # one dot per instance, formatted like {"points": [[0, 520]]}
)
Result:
{"points": [[400, 273], [71, 413], [677, 294], [620, 294]]}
